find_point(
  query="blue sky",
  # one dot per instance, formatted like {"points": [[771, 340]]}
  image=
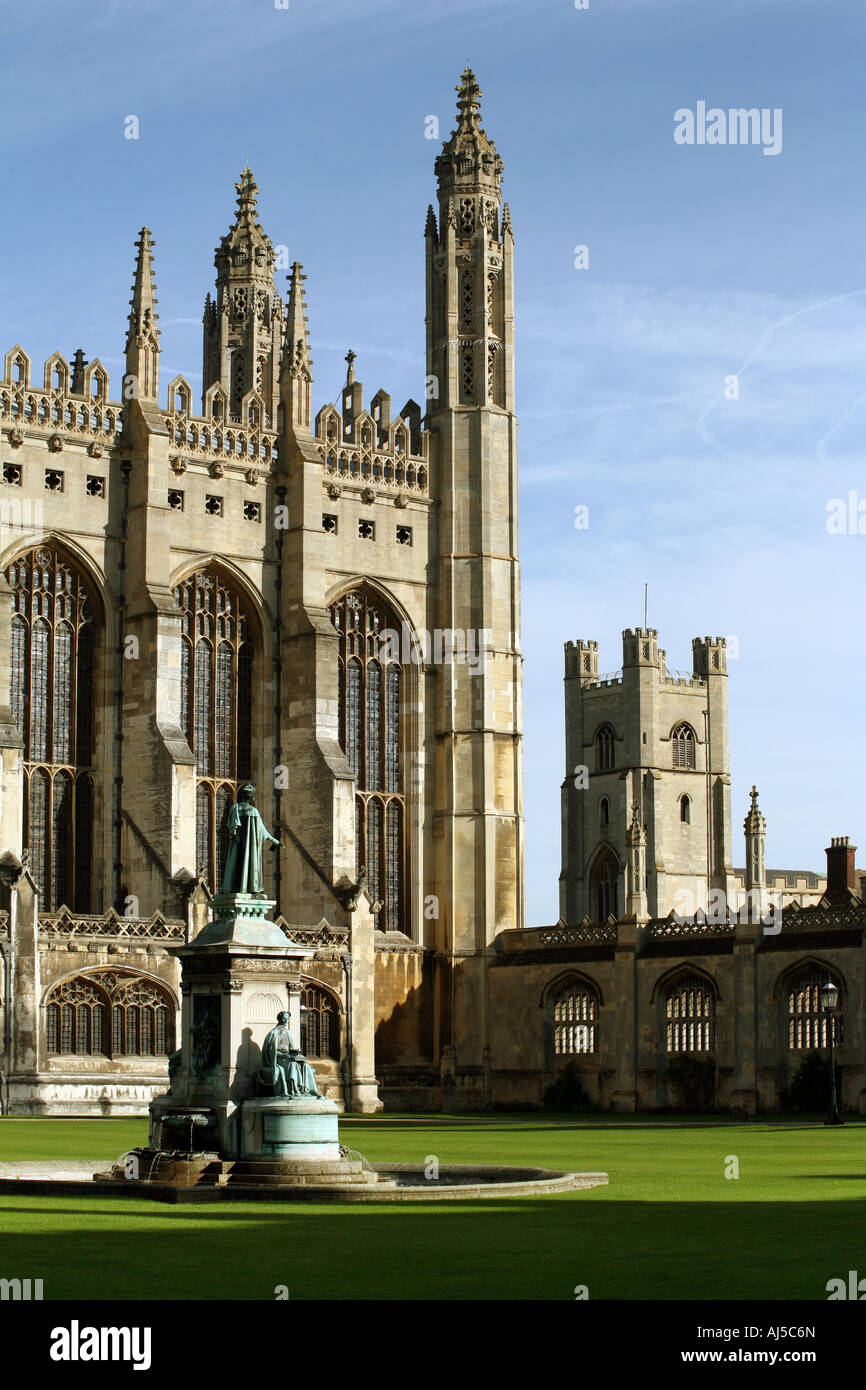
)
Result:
{"points": [[704, 262]]}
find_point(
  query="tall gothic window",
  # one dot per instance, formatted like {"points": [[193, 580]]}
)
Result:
{"points": [[370, 698], [808, 1020], [690, 1015], [320, 1023], [217, 658], [575, 1018], [683, 740], [605, 748], [604, 885], [55, 634], [113, 1013]]}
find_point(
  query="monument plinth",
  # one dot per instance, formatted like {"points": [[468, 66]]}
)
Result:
{"points": [[240, 1017]]}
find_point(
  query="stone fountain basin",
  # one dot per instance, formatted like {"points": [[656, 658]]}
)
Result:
{"points": [[198, 1177]]}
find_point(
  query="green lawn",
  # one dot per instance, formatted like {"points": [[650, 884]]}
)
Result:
{"points": [[669, 1225]]}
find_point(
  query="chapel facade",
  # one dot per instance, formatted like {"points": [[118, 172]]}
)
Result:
{"points": [[200, 594]]}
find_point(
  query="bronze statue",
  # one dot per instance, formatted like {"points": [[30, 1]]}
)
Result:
{"points": [[247, 839], [285, 1071]]}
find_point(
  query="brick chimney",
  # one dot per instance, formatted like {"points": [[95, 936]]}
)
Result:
{"points": [[840, 869]]}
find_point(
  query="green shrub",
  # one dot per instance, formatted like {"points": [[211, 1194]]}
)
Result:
{"points": [[809, 1091], [567, 1092], [694, 1081]]}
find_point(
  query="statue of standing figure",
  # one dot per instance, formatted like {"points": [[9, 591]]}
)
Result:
{"points": [[284, 1069], [247, 839]]}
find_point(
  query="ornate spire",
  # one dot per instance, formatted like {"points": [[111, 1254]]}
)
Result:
{"points": [[430, 224], [245, 246], [468, 161], [754, 824], [248, 191], [296, 366], [296, 343], [142, 339], [350, 373]]}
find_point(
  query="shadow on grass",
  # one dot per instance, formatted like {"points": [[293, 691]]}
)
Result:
{"points": [[515, 1248]]}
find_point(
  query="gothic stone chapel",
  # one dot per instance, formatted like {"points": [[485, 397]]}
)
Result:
{"points": [[329, 608], [195, 599]]}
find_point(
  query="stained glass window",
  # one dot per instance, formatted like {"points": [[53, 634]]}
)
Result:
{"points": [[320, 1023], [370, 736], [575, 1018], [53, 662], [808, 1020], [217, 661], [142, 1015], [690, 1010]]}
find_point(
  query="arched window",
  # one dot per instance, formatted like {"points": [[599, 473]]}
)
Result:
{"points": [[320, 1023], [370, 736], [604, 886], [686, 810], [604, 811], [113, 1013], [807, 1018], [605, 749], [690, 1013], [55, 635], [217, 661], [683, 740], [575, 1018]]}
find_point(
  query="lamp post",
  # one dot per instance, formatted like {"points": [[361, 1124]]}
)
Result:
{"points": [[830, 999]]}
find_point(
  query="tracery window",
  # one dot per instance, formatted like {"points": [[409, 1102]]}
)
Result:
{"points": [[320, 1023], [605, 748], [370, 735], [683, 740], [217, 662], [690, 1013], [604, 886], [575, 1018], [55, 634], [113, 1013], [808, 1020]]}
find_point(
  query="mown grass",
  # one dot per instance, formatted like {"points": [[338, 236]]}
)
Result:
{"points": [[668, 1225]]}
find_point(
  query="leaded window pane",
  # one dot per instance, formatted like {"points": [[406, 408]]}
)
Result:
{"points": [[203, 831], [392, 728], [52, 679], [224, 710], [374, 727], [203, 725], [353, 715], [690, 1007], [216, 689], [224, 802], [370, 695], [19, 673], [83, 837], [37, 816], [61, 842], [62, 693], [374, 849], [67, 1028], [39, 666], [393, 866]]}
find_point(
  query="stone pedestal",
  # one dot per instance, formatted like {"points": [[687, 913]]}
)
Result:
{"points": [[237, 975], [277, 1127]]}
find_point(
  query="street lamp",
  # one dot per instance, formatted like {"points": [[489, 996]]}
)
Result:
{"points": [[830, 999]]}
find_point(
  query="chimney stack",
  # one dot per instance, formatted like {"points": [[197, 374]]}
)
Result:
{"points": [[840, 870]]}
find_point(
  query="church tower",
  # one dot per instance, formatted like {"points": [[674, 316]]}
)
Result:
{"points": [[478, 828], [243, 325]]}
